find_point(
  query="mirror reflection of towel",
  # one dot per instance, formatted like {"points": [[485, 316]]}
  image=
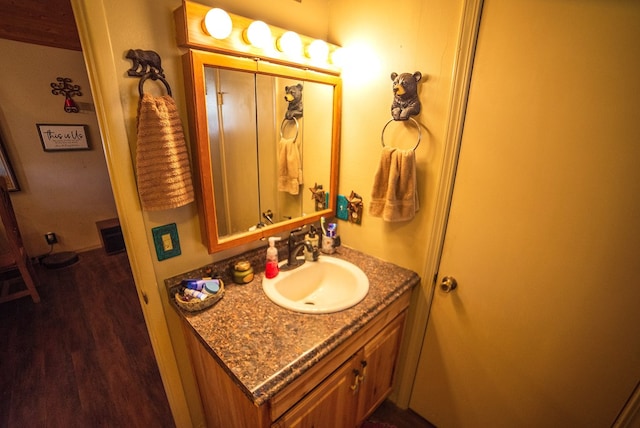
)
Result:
{"points": [[395, 194], [289, 166], [162, 161]]}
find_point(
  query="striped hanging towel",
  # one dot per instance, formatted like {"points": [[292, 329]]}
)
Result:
{"points": [[162, 161]]}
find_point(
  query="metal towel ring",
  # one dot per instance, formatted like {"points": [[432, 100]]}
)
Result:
{"points": [[282, 128], [414, 122], [153, 76]]}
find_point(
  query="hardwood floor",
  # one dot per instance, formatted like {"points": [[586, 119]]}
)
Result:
{"points": [[82, 356], [389, 413]]}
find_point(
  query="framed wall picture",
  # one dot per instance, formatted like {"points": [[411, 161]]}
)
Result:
{"points": [[6, 171], [63, 137]]}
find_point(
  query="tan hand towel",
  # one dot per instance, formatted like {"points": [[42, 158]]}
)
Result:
{"points": [[162, 161], [398, 199], [289, 166], [381, 182]]}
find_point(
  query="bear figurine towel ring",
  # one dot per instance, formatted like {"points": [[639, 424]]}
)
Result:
{"points": [[293, 96], [146, 65], [405, 95]]}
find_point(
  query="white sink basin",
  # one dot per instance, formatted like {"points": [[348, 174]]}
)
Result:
{"points": [[320, 287]]}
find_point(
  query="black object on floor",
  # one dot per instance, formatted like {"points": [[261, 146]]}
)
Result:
{"points": [[59, 260]]}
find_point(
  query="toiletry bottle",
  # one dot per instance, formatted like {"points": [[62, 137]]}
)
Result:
{"points": [[312, 237], [272, 269], [193, 284], [194, 293], [242, 272]]}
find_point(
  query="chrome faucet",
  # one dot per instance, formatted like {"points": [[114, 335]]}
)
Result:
{"points": [[295, 244]]}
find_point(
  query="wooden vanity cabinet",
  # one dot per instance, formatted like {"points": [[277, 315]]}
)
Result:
{"points": [[353, 391], [330, 404], [377, 365], [340, 390]]}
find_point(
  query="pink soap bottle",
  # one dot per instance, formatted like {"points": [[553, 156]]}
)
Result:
{"points": [[272, 269]]}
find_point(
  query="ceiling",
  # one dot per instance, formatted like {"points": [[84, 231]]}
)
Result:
{"points": [[40, 22]]}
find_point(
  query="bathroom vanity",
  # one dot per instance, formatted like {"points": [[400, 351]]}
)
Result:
{"points": [[260, 365]]}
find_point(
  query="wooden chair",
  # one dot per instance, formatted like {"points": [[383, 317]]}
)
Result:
{"points": [[16, 259]]}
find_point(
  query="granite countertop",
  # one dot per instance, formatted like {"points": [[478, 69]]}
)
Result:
{"points": [[264, 346]]}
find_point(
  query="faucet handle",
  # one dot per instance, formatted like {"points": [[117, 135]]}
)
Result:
{"points": [[296, 232]]}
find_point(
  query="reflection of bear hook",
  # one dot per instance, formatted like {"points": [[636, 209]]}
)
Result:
{"points": [[282, 128], [414, 122], [293, 96]]}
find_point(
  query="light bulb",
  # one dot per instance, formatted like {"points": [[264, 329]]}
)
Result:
{"points": [[258, 34], [290, 43], [318, 50], [217, 23], [338, 57]]}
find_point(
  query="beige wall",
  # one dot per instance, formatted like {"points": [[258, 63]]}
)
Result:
{"points": [[61, 192], [417, 35]]}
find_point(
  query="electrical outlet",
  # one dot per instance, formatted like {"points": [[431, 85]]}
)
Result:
{"points": [[167, 245], [51, 238], [166, 241]]}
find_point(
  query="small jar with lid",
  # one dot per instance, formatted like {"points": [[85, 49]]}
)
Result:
{"points": [[242, 272]]}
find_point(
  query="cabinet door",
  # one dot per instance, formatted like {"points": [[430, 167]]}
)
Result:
{"points": [[331, 404], [377, 364]]}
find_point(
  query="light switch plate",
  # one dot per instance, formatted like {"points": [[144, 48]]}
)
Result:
{"points": [[166, 241], [342, 212]]}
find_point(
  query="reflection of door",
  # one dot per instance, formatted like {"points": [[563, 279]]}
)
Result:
{"points": [[544, 229], [234, 151]]}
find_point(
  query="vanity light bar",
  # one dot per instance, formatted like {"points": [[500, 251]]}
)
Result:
{"points": [[258, 34], [206, 28], [217, 23], [290, 43]]}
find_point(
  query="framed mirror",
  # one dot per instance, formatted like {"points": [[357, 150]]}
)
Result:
{"points": [[255, 166]]}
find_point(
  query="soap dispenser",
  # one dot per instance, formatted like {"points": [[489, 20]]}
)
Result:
{"points": [[272, 269], [312, 237]]}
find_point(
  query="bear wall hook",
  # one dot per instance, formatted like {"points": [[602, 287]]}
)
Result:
{"points": [[405, 95], [146, 65], [144, 62]]}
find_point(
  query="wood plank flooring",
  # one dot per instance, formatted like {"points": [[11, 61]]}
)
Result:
{"points": [[389, 413], [82, 356]]}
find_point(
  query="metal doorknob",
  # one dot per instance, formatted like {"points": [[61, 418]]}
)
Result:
{"points": [[448, 284]]}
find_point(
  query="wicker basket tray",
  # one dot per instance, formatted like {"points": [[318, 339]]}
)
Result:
{"points": [[194, 305]]}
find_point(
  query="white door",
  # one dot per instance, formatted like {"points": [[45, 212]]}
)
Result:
{"points": [[543, 237]]}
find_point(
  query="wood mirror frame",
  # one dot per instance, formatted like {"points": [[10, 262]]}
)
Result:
{"points": [[232, 53], [194, 63]]}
